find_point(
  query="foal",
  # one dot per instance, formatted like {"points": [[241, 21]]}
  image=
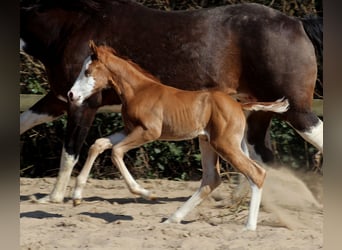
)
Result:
{"points": [[152, 111]]}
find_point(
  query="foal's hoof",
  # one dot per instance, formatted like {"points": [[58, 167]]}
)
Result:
{"points": [[76, 202], [149, 196], [46, 199], [145, 194], [171, 220], [249, 228]]}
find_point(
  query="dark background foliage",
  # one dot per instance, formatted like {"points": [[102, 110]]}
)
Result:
{"points": [[41, 146]]}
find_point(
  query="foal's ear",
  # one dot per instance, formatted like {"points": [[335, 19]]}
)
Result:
{"points": [[93, 48]]}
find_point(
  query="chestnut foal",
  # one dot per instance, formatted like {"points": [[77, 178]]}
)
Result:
{"points": [[153, 111]]}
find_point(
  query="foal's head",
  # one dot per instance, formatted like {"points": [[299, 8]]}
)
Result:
{"points": [[94, 76]]}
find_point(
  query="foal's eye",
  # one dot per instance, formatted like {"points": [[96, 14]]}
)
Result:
{"points": [[86, 73]]}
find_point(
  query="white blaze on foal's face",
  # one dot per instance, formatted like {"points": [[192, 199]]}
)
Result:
{"points": [[83, 86]]}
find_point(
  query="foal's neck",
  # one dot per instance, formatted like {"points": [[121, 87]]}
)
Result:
{"points": [[129, 78]]}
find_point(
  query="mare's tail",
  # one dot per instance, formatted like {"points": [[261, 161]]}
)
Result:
{"points": [[313, 26], [279, 106]]}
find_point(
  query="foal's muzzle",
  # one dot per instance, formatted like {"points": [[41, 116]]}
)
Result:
{"points": [[74, 98]]}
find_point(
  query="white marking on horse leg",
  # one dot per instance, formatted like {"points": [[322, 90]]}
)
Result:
{"points": [[66, 166], [190, 204], [29, 119], [97, 148], [254, 207], [314, 135], [244, 146], [132, 185], [211, 179], [22, 44]]}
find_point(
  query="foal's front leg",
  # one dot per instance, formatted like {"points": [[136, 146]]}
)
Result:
{"points": [[97, 148], [136, 138]]}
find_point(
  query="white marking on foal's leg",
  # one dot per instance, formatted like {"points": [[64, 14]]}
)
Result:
{"points": [[97, 148], [132, 185], [210, 180], [314, 135], [66, 166], [189, 205], [29, 119], [254, 207], [241, 190]]}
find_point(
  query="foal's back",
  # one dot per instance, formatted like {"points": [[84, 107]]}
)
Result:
{"points": [[181, 114]]}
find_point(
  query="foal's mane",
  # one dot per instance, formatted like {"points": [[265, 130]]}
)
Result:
{"points": [[107, 49]]}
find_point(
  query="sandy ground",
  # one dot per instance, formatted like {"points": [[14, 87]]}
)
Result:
{"points": [[291, 216]]}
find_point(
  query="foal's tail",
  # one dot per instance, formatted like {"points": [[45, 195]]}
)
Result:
{"points": [[279, 106], [313, 26]]}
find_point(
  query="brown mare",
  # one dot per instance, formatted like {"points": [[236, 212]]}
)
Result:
{"points": [[153, 111], [250, 48]]}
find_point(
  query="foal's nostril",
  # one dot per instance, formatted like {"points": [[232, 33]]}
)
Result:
{"points": [[70, 95]]}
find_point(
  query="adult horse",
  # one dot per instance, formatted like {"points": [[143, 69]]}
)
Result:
{"points": [[248, 47]]}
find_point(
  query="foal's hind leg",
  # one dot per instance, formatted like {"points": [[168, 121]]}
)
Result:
{"points": [[256, 176], [232, 153], [97, 148], [210, 180]]}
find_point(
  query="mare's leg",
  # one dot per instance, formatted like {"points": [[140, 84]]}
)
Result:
{"points": [[97, 148], [210, 180], [257, 135], [308, 125], [47, 109], [79, 122], [136, 138]]}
